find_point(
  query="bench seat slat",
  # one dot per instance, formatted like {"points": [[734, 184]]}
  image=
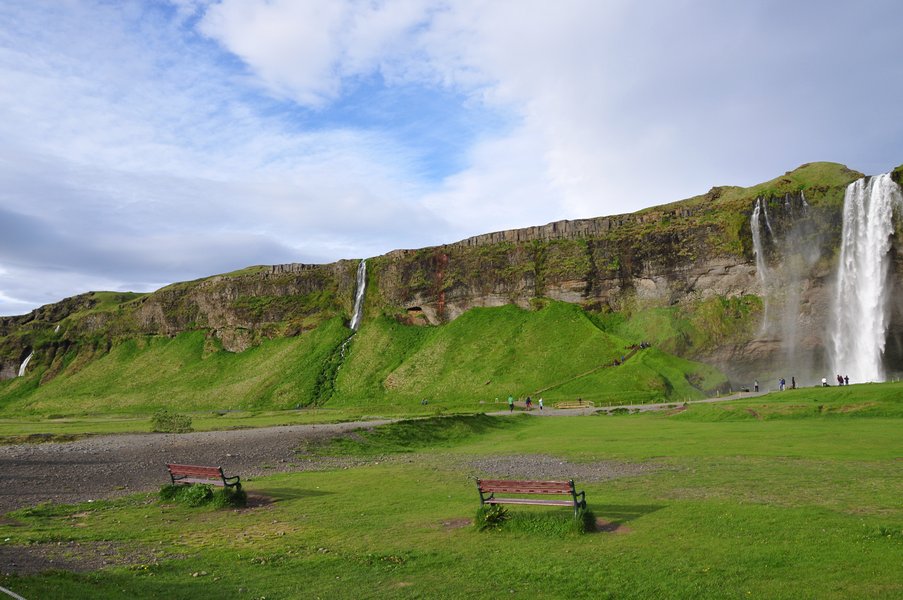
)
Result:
{"points": [[530, 501], [218, 482], [526, 487]]}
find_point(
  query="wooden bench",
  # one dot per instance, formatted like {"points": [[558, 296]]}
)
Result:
{"points": [[489, 487], [189, 474]]}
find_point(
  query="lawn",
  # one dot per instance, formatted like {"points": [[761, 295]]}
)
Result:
{"points": [[717, 503]]}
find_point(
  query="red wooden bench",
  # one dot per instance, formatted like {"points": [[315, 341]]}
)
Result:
{"points": [[489, 487], [188, 474]]}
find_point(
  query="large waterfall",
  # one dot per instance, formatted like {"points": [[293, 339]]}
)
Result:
{"points": [[25, 364], [359, 295], [861, 307]]}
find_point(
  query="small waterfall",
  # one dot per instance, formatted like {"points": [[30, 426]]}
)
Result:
{"points": [[25, 364], [755, 225], [359, 295], [859, 328], [767, 220]]}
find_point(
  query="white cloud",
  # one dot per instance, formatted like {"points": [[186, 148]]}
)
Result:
{"points": [[304, 50], [210, 135]]}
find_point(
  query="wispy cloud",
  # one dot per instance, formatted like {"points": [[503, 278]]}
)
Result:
{"points": [[143, 143]]}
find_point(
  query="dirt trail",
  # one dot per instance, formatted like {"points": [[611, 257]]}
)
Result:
{"points": [[115, 465]]}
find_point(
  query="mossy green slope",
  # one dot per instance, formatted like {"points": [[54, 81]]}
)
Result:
{"points": [[490, 353], [187, 372], [464, 365]]}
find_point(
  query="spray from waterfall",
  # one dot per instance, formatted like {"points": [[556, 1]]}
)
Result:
{"points": [[25, 364], [359, 295], [861, 302]]}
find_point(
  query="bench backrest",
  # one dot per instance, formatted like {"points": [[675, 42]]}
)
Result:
{"points": [[196, 471], [488, 486]]}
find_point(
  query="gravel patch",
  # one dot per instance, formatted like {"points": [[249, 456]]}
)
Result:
{"points": [[550, 468], [116, 465]]}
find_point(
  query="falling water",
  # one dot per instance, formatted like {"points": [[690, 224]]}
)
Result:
{"points": [[755, 225], [359, 295], [25, 364], [859, 329]]}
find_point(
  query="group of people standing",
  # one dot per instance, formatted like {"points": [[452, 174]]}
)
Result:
{"points": [[841, 380], [528, 402], [782, 383]]}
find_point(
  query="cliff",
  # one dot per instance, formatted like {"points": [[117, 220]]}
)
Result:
{"points": [[690, 263]]}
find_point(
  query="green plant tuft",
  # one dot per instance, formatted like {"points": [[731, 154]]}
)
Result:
{"points": [[164, 421], [490, 516], [201, 495]]}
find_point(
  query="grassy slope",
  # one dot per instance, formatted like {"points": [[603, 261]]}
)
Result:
{"points": [[489, 353], [781, 508], [145, 374], [689, 328], [484, 354]]}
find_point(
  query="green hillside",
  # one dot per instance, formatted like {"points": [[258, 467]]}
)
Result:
{"points": [[485, 354]]}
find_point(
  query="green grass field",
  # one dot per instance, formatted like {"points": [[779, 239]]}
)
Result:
{"points": [[793, 495], [388, 368]]}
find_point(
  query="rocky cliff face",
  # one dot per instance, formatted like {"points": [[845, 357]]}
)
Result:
{"points": [[675, 255]]}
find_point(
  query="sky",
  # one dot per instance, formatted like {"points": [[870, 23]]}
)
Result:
{"points": [[154, 141]]}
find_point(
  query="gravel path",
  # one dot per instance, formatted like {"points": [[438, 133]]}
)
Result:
{"points": [[115, 465]]}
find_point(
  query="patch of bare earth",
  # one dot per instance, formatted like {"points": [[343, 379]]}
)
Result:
{"points": [[458, 523], [603, 526], [72, 556]]}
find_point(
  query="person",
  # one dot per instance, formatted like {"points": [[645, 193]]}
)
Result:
{"points": [[824, 382], [781, 383], [540, 403], [529, 403], [846, 380], [793, 383], [510, 403], [839, 380], [756, 385]]}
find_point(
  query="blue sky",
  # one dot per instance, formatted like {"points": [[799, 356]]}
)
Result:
{"points": [[144, 142]]}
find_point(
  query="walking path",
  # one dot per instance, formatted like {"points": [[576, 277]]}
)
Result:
{"points": [[574, 412]]}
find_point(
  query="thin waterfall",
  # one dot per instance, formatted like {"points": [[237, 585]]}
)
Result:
{"points": [[359, 295], [767, 220], [25, 364], [755, 225], [861, 302]]}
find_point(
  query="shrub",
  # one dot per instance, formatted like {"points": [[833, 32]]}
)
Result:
{"points": [[535, 522], [490, 516], [200, 495], [164, 421]]}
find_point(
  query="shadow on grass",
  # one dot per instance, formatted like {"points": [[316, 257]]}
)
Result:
{"points": [[279, 494], [614, 518]]}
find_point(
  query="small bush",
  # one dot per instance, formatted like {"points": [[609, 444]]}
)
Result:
{"points": [[490, 516], [164, 421], [545, 523], [201, 495]]}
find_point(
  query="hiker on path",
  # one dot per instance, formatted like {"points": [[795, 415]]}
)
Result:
{"points": [[540, 403], [510, 403], [793, 383], [529, 403], [824, 382], [846, 380], [756, 384], [839, 380], [781, 383]]}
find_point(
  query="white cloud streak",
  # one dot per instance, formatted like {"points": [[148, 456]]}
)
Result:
{"points": [[141, 144]]}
